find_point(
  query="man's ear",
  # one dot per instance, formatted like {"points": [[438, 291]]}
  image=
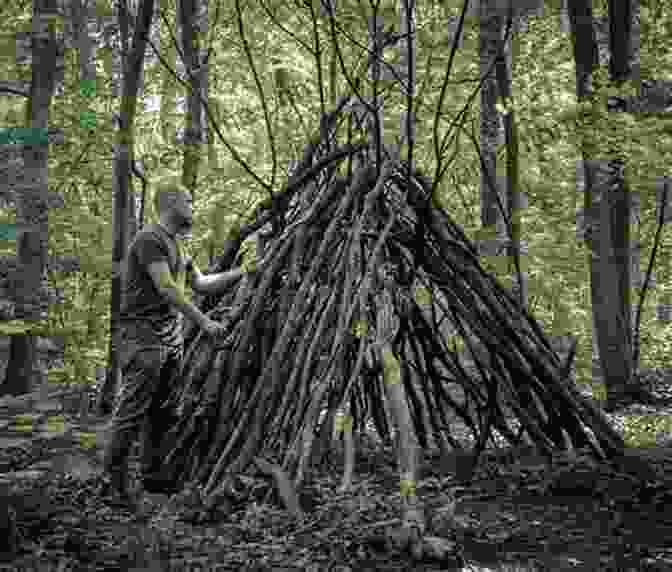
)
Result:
{"points": [[188, 263], [193, 275]]}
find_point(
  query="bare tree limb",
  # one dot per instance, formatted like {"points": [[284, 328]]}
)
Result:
{"points": [[262, 98], [318, 59], [208, 112], [275, 21]]}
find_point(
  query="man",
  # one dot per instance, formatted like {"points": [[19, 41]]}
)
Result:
{"points": [[151, 339]]}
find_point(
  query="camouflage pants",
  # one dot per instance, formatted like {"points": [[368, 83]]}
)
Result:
{"points": [[149, 366]]}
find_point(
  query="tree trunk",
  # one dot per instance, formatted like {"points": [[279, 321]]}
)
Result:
{"points": [[624, 40], [490, 31], [208, 134], [86, 47], [131, 209], [586, 58], [193, 121], [134, 61], [609, 196], [31, 207], [188, 10], [375, 119], [168, 85], [565, 24], [621, 40], [22, 364], [664, 259], [585, 46], [490, 25], [513, 193]]}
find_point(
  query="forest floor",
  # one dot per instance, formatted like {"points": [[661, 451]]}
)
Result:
{"points": [[575, 515]]}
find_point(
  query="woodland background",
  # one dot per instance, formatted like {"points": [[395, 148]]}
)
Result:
{"points": [[265, 92]]}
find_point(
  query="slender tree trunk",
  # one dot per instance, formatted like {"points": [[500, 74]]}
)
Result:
{"points": [[188, 10], [606, 208], [490, 29], [565, 24], [86, 47], [333, 60], [31, 211], [124, 27], [133, 62], [624, 41], [490, 26], [499, 191], [517, 268], [375, 120], [206, 132], [193, 126], [585, 58], [663, 258], [620, 70], [20, 375], [168, 83]]}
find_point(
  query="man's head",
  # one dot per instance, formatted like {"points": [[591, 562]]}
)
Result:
{"points": [[173, 205]]}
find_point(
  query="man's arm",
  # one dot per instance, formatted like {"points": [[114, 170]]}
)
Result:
{"points": [[166, 286], [214, 283]]}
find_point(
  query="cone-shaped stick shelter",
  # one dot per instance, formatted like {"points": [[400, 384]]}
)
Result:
{"points": [[301, 331]]}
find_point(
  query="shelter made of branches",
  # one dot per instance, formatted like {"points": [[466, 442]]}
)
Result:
{"points": [[300, 330]]}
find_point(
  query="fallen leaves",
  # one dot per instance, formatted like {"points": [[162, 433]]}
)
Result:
{"points": [[359, 530]]}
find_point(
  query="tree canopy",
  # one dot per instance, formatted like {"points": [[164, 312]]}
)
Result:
{"points": [[265, 98]]}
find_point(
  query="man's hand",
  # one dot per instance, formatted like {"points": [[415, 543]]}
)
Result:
{"points": [[213, 328], [250, 265]]}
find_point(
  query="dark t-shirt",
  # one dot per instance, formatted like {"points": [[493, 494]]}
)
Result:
{"points": [[141, 302]]}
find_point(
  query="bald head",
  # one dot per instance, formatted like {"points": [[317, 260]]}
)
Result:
{"points": [[172, 204], [167, 192]]}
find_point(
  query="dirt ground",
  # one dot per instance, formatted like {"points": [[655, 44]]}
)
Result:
{"points": [[573, 514], [577, 517]]}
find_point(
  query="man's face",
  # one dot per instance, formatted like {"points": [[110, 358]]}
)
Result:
{"points": [[183, 213]]}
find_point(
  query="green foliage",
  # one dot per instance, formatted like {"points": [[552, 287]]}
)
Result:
{"points": [[545, 108], [642, 430]]}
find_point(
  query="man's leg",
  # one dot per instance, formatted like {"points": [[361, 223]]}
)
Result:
{"points": [[140, 378], [157, 424]]}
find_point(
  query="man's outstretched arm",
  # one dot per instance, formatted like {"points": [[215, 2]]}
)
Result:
{"points": [[213, 283]]}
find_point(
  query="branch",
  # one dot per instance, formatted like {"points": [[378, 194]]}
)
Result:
{"points": [[212, 35], [138, 174], [318, 61], [410, 123], [442, 95], [439, 151], [262, 98], [645, 286], [6, 89], [208, 112], [294, 184], [353, 87], [492, 185], [285, 30]]}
